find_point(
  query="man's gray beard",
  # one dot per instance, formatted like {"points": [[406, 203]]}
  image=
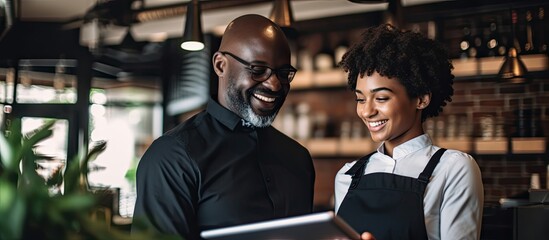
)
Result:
{"points": [[242, 108]]}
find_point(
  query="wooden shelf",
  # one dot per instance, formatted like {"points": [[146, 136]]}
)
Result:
{"points": [[528, 145], [323, 147], [311, 79], [491, 146], [335, 147], [463, 68], [464, 145], [329, 147], [491, 65]]}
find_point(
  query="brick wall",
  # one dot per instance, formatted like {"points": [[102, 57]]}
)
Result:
{"points": [[509, 174]]}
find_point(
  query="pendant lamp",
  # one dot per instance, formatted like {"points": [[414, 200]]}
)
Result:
{"points": [[368, 1], [193, 40], [513, 69], [281, 14]]}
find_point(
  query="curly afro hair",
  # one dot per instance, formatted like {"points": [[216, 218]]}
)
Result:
{"points": [[420, 64]]}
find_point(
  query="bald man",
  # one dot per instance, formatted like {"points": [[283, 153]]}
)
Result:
{"points": [[227, 165]]}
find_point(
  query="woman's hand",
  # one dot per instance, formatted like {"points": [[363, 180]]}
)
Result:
{"points": [[367, 236]]}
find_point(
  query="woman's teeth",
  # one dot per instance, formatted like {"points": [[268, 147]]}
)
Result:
{"points": [[377, 123]]}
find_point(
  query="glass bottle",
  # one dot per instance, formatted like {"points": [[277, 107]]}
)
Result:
{"points": [[465, 44], [516, 43], [529, 44], [303, 127], [541, 32], [289, 122], [324, 59], [340, 50], [494, 43], [478, 47]]}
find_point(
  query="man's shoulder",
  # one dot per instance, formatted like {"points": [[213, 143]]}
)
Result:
{"points": [[186, 126], [278, 138]]}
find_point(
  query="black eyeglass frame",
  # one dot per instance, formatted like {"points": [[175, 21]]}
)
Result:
{"points": [[250, 67]]}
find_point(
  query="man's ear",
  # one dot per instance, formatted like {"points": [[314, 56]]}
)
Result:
{"points": [[423, 101], [218, 63]]}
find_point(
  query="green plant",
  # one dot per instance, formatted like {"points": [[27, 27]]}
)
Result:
{"points": [[29, 211]]}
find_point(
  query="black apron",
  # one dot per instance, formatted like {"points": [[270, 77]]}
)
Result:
{"points": [[387, 205]]}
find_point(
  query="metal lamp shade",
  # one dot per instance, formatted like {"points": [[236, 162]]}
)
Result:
{"points": [[513, 69], [282, 13], [193, 39]]}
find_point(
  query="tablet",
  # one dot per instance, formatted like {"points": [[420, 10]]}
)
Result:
{"points": [[324, 225]]}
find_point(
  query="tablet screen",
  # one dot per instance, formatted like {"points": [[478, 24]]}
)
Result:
{"points": [[324, 225]]}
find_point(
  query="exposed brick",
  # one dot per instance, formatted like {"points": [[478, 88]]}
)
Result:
{"points": [[459, 92], [514, 102], [527, 101], [483, 91], [514, 169], [514, 180], [512, 89], [463, 104], [498, 169], [491, 158], [535, 87], [543, 100], [545, 87], [541, 169], [478, 115], [495, 103], [488, 180]]}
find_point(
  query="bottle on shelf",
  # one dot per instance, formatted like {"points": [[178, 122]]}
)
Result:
{"points": [[466, 45], [345, 129], [320, 125], [357, 129], [529, 39], [429, 126], [288, 123], [487, 129], [303, 127], [324, 59], [340, 50], [494, 43], [451, 126], [515, 42], [305, 60], [541, 32], [478, 49]]}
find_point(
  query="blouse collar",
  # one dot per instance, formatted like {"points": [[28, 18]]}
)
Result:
{"points": [[409, 146]]}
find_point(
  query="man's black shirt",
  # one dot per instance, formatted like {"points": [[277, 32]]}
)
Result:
{"points": [[215, 170]]}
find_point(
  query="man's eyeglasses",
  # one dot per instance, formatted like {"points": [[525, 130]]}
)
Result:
{"points": [[261, 73]]}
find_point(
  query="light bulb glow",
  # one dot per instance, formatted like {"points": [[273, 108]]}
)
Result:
{"points": [[192, 45]]}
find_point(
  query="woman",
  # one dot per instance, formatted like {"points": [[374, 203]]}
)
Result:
{"points": [[408, 188]]}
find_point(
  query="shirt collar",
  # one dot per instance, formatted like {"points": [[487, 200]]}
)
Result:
{"points": [[409, 146], [226, 116]]}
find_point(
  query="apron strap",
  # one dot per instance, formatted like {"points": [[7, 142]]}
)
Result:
{"points": [[357, 170], [428, 171]]}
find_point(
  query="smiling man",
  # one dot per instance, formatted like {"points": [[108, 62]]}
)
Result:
{"points": [[227, 165]]}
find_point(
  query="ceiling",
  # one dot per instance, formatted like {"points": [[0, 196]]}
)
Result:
{"points": [[214, 19]]}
